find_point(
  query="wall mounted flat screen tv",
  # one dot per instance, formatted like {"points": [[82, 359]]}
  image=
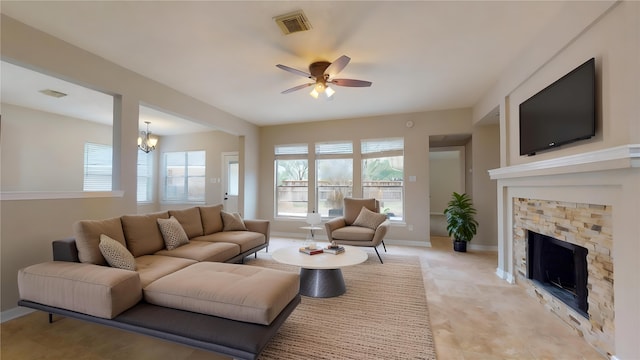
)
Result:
{"points": [[561, 113]]}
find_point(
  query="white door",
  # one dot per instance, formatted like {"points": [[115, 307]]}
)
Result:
{"points": [[230, 181]]}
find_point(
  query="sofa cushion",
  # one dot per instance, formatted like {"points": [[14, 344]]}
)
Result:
{"points": [[232, 222], [142, 233], [172, 233], [86, 288], [211, 218], [353, 206], [247, 240], [244, 293], [190, 221], [357, 233], [204, 251], [116, 254], [153, 267], [369, 219], [87, 234]]}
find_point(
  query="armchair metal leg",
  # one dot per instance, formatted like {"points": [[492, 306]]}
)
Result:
{"points": [[385, 248], [377, 253]]}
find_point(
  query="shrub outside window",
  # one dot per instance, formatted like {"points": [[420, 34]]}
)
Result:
{"points": [[383, 174], [334, 176]]}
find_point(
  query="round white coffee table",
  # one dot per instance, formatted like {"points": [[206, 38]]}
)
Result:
{"points": [[320, 274]]}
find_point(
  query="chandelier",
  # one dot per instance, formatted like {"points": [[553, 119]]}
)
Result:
{"points": [[146, 142]]}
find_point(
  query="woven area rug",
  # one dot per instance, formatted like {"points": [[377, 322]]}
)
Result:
{"points": [[383, 315]]}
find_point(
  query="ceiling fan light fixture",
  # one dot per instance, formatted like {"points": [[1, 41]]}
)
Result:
{"points": [[329, 92], [314, 93]]}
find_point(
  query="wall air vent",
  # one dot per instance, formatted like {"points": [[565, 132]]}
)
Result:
{"points": [[55, 94], [293, 22]]}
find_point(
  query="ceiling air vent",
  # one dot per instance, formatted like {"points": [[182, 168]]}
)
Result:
{"points": [[293, 22], [54, 93]]}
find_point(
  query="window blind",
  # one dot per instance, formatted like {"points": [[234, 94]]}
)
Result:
{"points": [[295, 149], [334, 148], [373, 146], [97, 167]]}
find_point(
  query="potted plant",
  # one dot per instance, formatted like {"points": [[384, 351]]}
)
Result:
{"points": [[461, 224]]}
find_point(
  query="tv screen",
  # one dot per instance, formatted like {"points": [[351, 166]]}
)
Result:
{"points": [[561, 113]]}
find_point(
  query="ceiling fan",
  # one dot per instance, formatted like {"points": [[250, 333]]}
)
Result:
{"points": [[322, 73]]}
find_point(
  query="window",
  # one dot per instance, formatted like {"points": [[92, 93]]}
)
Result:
{"points": [[383, 174], [292, 188], [97, 167], [233, 176], [184, 176], [145, 177], [334, 176]]}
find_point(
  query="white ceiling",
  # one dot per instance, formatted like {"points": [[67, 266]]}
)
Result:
{"points": [[420, 55]]}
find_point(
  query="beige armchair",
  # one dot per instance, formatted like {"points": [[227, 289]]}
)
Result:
{"points": [[361, 225]]}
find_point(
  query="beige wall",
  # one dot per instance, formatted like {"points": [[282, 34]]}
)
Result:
{"points": [[29, 226], [44, 151], [485, 148], [416, 142]]}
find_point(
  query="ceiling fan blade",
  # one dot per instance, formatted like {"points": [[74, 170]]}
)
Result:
{"points": [[337, 66], [295, 88], [295, 71], [351, 82]]}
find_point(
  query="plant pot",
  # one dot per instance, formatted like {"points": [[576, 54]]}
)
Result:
{"points": [[460, 246]]}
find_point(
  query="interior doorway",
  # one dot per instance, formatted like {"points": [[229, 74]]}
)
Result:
{"points": [[447, 164], [230, 180]]}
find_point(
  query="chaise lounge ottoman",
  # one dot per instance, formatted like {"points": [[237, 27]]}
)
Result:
{"points": [[244, 293]]}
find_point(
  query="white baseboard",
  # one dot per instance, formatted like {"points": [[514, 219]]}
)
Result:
{"points": [[505, 276], [493, 248], [14, 313], [407, 243], [322, 237]]}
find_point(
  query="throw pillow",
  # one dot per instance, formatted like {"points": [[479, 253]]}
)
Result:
{"points": [[172, 233], [232, 221], [369, 219], [116, 254]]}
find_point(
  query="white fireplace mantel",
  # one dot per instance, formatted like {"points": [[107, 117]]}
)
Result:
{"points": [[619, 157]]}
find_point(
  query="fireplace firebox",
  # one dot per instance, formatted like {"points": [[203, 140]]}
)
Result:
{"points": [[560, 268]]}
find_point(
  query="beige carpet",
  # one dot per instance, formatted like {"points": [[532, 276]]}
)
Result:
{"points": [[383, 315]]}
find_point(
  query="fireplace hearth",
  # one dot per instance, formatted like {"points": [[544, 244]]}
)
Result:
{"points": [[560, 268]]}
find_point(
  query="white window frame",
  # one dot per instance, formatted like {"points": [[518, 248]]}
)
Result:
{"points": [[383, 148], [288, 153], [184, 197], [327, 151], [98, 167], [145, 182]]}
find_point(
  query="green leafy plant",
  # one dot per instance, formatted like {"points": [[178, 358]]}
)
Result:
{"points": [[460, 215]]}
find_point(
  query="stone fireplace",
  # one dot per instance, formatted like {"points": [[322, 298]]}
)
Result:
{"points": [[560, 268], [572, 227], [590, 200]]}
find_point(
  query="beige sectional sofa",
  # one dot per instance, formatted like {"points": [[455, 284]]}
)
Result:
{"points": [[168, 286]]}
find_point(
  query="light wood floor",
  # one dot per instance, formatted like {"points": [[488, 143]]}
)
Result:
{"points": [[474, 315]]}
